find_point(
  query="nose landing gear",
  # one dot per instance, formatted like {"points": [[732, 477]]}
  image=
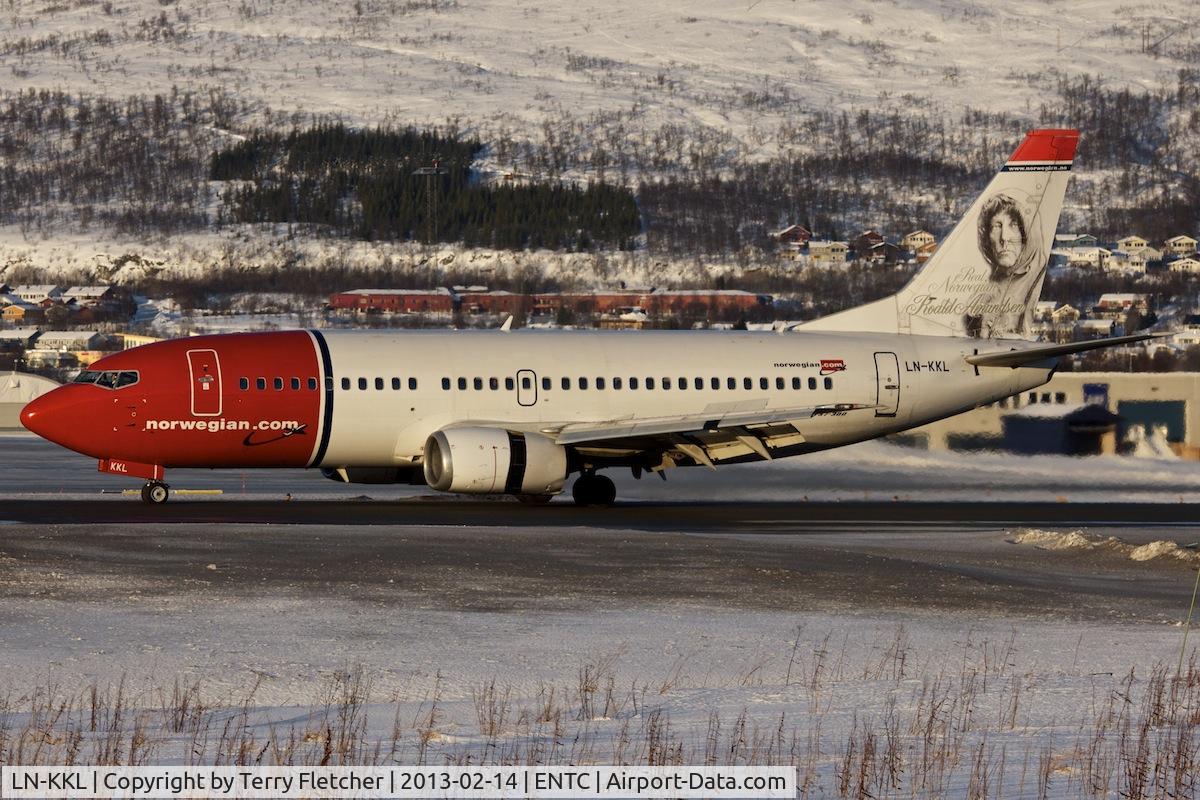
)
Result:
{"points": [[591, 489], [155, 493]]}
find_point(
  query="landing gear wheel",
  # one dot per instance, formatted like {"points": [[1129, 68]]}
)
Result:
{"points": [[155, 493], [594, 490]]}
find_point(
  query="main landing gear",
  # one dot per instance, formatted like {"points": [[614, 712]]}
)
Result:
{"points": [[591, 489], [155, 493]]}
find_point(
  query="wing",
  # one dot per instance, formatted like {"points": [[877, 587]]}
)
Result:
{"points": [[721, 432], [1031, 355]]}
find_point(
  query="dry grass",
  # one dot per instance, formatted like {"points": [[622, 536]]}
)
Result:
{"points": [[970, 726]]}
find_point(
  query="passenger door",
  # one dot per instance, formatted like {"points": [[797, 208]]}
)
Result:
{"points": [[204, 371], [526, 387], [887, 384]]}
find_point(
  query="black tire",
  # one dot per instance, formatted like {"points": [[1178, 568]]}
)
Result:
{"points": [[155, 493], [594, 490]]}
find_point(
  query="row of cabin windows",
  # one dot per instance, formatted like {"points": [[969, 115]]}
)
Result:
{"points": [[379, 383], [601, 384], [278, 384], [296, 383]]}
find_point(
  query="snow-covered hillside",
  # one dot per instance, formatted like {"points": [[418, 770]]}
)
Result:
{"points": [[743, 68], [616, 90]]}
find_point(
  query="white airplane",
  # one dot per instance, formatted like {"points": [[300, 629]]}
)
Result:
{"points": [[518, 412]]}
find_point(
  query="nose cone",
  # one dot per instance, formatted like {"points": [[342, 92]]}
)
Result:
{"points": [[58, 416]]}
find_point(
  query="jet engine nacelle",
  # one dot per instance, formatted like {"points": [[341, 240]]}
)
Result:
{"points": [[494, 461]]}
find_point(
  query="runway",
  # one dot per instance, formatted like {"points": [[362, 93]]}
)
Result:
{"points": [[726, 517]]}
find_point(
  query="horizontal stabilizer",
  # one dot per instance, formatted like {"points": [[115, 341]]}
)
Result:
{"points": [[1031, 355]]}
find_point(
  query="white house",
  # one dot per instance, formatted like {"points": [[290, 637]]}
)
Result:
{"points": [[70, 340], [1087, 257], [1131, 261], [1188, 265], [37, 293], [1131, 243], [1180, 245], [1097, 328], [85, 296]]}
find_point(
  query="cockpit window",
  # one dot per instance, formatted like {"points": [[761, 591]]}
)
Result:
{"points": [[109, 379]]}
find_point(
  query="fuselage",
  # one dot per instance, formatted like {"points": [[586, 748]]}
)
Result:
{"points": [[336, 399]]}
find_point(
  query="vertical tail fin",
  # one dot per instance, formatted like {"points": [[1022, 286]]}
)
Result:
{"points": [[985, 278]]}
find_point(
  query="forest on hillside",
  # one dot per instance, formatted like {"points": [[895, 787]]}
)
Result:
{"points": [[412, 185], [182, 161]]}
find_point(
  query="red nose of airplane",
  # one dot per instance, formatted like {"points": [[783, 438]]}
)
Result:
{"points": [[57, 416]]}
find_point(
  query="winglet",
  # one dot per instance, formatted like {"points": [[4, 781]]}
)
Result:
{"points": [[507, 326]]}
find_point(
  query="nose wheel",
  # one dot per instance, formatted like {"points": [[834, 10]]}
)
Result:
{"points": [[155, 493], [591, 489]]}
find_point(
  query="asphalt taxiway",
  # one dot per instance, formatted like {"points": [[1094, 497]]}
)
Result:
{"points": [[726, 517]]}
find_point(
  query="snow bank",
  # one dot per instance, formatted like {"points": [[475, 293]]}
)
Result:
{"points": [[1080, 540]]}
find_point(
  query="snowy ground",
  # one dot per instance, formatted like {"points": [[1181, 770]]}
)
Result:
{"points": [[907, 656]]}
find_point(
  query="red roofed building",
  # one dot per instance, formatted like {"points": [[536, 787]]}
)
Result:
{"points": [[410, 301]]}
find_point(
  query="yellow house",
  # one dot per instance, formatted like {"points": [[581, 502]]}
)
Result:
{"points": [[916, 240], [130, 340]]}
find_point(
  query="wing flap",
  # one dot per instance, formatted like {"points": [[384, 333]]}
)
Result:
{"points": [[592, 432]]}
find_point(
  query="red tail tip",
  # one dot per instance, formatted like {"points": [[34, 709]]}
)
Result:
{"points": [[1048, 144]]}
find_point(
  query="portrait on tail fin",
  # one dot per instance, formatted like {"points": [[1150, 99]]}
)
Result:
{"points": [[1009, 233]]}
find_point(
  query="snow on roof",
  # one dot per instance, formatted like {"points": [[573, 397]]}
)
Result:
{"points": [[65, 336], [440, 290], [704, 292], [1121, 297], [30, 288], [18, 334]]}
